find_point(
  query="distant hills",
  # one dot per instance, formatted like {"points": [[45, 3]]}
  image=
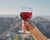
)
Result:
{"points": [[13, 15], [7, 15], [14, 24]]}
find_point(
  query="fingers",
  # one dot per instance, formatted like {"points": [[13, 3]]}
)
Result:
{"points": [[26, 28], [27, 25], [24, 22], [30, 25]]}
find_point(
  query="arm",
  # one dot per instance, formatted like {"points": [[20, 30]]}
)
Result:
{"points": [[37, 34]]}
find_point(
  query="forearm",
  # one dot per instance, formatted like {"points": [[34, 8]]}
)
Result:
{"points": [[37, 34]]}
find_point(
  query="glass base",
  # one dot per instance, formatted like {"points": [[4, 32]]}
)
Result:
{"points": [[24, 32]]}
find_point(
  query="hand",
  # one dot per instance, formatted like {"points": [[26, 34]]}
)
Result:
{"points": [[34, 31], [27, 25]]}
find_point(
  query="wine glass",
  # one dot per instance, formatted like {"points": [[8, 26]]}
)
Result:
{"points": [[25, 14]]}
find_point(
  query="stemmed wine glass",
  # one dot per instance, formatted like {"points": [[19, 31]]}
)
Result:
{"points": [[25, 14]]}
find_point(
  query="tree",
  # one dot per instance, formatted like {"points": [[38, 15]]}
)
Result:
{"points": [[31, 39], [17, 37], [24, 39]]}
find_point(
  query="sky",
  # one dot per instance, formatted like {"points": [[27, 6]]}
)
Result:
{"points": [[12, 7]]}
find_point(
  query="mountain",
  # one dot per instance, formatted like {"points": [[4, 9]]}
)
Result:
{"points": [[14, 24]]}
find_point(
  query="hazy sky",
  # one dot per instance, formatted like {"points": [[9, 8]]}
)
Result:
{"points": [[40, 7]]}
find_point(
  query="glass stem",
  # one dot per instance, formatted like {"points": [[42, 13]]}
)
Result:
{"points": [[23, 27]]}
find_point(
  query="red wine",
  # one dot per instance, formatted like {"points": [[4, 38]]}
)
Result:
{"points": [[26, 15]]}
